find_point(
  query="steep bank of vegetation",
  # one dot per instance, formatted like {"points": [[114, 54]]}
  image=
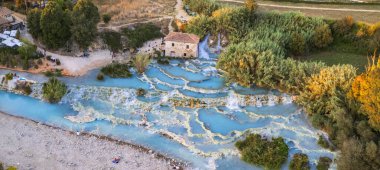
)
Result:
{"points": [[263, 48]]}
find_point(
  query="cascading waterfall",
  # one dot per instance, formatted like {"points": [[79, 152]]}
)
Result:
{"points": [[232, 101], [204, 49], [218, 46]]}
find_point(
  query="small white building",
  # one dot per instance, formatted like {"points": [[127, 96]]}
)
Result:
{"points": [[184, 45]]}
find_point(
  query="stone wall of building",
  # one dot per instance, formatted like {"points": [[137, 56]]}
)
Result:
{"points": [[180, 49]]}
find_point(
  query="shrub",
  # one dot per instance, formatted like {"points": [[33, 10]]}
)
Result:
{"points": [[323, 142], [117, 70], [300, 161], [11, 168], [141, 62], [9, 76], [58, 62], [1, 166], [100, 77], [263, 152], [106, 18], [297, 44], [343, 27], [49, 73], [322, 36], [324, 163], [140, 92], [24, 88], [163, 60], [54, 73], [54, 90]]}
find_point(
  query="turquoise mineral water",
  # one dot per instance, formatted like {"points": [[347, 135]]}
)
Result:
{"points": [[188, 113]]}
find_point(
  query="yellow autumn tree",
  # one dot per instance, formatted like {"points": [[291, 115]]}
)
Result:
{"points": [[366, 90], [251, 5]]}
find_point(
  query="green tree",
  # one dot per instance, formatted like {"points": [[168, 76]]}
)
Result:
{"points": [[300, 161], [55, 25], [85, 17], [113, 41], [33, 19], [200, 25], [53, 90]]}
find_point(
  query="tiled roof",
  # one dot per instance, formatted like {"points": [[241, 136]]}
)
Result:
{"points": [[5, 11], [182, 37]]}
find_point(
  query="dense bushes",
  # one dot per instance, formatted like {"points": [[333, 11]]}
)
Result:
{"points": [[288, 33], [241, 63], [141, 33], [53, 90], [269, 153], [325, 87], [117, 70], [300, 161]]}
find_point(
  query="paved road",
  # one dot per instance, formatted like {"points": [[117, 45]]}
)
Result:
{"points": [[310, 8]]}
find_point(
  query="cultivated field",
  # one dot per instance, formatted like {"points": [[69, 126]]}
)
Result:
{"points": [[359, 12]]}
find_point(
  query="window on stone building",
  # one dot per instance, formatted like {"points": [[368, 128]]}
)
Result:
{"points": [[184, 54], [187, 46], [172, 44]]}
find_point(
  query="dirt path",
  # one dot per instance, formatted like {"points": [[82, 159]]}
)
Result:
{"points": [[308, 8]]}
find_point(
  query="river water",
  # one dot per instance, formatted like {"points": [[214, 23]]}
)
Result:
{"points": [[188, 113]]}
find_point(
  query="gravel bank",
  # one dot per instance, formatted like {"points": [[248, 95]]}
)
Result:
{"points": [[29, 145]]}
